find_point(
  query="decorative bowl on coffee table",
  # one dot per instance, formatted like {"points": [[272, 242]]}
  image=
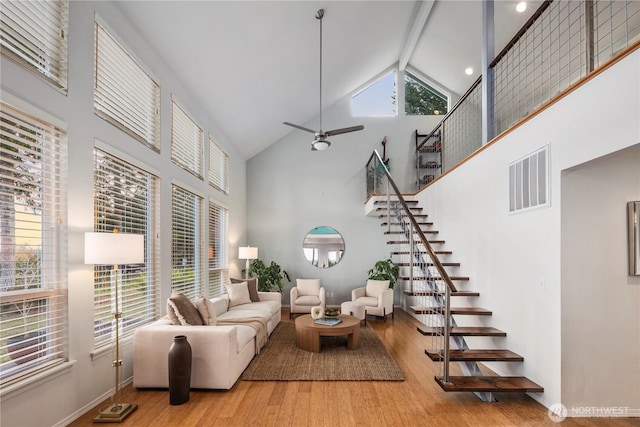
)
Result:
{"points": [[332, 311]]}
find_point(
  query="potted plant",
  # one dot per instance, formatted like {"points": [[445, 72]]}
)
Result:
{"points": [[270, 278], [385, 270]]}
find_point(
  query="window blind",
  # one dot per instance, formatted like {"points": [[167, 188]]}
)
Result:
{"points": [[33, 277], [218, 249], [187, 139], [126, 199], [218, 167], [34, 34], [124, 93], [186, 249]]}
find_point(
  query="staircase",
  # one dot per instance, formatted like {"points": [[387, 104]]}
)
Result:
{"points": [[430, 288]]}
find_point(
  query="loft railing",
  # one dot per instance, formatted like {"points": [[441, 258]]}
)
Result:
{"points": [[562, 43], [427, 276]]}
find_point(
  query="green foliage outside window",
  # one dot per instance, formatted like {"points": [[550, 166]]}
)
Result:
{"points": [[421, 99]]}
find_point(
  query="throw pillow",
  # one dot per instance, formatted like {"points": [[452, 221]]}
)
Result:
{"points": [[308, 287], [376, 287], [207, 311], [252, 284], [238, 293], [181, 311]]}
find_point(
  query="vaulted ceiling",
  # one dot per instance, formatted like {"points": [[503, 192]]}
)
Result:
{"points": [[254, 64]]}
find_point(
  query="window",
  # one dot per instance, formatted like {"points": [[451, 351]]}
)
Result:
{"points": [[187, 140], [186, 249], [529, 181], [126, 199], [33, 276], [124, 94], [34, 34], [377, 99], [421, 99], [218, 168], [218, 249]]}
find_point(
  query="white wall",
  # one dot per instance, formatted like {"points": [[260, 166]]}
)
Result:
{"points": [[514, 261], [60, 398], [600, 301], [291, 190]]}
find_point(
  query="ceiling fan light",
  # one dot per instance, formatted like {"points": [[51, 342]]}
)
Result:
{"points": [[321, 145]]}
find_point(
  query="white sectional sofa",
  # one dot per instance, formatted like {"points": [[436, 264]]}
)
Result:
{"points": [[220, 353]]}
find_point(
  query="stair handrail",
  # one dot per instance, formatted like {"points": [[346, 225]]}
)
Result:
{"points": [[423, 239], [434, 258]]}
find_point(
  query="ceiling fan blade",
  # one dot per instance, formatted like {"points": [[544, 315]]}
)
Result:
{"points": [[343, 130], [299, 127]]}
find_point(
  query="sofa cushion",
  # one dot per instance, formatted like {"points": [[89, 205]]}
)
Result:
{"points": [[271, 307], [368, 301], [241, 314], [307, 287], [207, 311], [238, 293], [312, 300], [252, 285], [181, 311], [376, 287]]}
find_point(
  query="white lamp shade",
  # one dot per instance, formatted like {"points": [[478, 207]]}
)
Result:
{"points": [[247, 252], [113, 248]]}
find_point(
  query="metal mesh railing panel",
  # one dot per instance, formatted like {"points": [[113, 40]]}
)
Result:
{"points": [[462, 131]]}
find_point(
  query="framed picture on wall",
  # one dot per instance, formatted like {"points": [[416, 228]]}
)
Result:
{"points": [[633, 226]]}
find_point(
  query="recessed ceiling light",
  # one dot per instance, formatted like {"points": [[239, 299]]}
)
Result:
{"points": [[521, 7], [468, 71]]}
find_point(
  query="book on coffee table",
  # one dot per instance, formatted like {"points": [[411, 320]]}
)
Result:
{"points": [[328, 321]]}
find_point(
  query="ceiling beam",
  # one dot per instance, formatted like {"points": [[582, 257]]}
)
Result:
{"points": [[416, 29]]}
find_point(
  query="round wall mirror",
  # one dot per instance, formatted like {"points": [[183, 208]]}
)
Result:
{"points": [[323, 247]]}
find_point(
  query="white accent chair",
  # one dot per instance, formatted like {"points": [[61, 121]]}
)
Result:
{"points": [[376, 297], [306, 294]]}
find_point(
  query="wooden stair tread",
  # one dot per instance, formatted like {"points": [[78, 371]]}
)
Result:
{"points": [[434, 278], [469, 331], [384, 202], [402, 232], [422, 252], [411, 208], [490, 384], [476, 355], [403, 223], [406, 242], [403, 215], [453, 294], [454, 310], [428, 264]]}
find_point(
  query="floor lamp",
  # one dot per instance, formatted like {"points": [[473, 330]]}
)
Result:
{"points": [[248, 253], [114, 249]]}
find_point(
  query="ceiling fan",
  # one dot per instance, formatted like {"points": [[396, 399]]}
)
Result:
{"points": [[321, 142]]}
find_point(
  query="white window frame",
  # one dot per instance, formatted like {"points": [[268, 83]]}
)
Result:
{"points": [[132, 207], [187, 140], [187, 230], [125, 93], [218, 167], [34, 35], [218, 254], [368, 86], [431, 85], [41, 226]]}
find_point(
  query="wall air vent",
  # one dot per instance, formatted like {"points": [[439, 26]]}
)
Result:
{"points": [[529, 181]]}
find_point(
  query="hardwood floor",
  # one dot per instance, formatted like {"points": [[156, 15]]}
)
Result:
{"points": [[417, 401]]}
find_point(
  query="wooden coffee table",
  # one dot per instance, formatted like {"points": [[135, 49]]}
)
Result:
{"points": [[308, 333]]}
